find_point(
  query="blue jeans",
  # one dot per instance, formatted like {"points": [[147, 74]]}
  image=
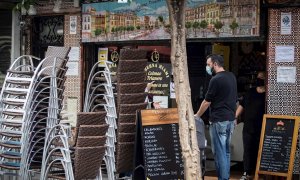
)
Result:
{"points": [[220, 134]]}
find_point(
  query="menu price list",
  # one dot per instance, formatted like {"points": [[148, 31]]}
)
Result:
{"points": [[162, 152], [276, 150]]}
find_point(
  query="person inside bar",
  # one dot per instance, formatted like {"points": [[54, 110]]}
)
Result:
{"points": [[253, 107], [149, 97]]}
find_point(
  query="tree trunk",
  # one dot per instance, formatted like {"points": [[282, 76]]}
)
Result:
{"points": [[187, 128]]}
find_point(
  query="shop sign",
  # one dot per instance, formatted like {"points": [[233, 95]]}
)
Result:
{"points": [[159, 74]]}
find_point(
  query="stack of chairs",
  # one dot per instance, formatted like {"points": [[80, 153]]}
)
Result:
{"points": [[85, 156], [91, 144], [14, 99], [56, 161], [94, 137], [99, 97], [130, 98], [45, 106], [30, 103]]}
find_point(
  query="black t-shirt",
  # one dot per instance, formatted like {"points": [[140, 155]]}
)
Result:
{"points": [[254, 109], [222, 93]]}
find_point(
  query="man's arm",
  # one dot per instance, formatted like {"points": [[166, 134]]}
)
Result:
{"points": [[239, 111], [204, 105]]}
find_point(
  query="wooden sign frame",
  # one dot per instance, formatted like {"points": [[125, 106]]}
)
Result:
{"points": [[160, 116], [288, 175]]}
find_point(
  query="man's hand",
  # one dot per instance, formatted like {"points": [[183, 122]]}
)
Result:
{"points": [[196, 116], [149, 86], [235, 122]]}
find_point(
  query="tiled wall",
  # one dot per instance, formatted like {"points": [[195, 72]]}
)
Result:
{"points": [[73, 83], [283, 98]]}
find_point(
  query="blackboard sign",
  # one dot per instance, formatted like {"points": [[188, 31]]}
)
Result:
{"points": [[277, 145], [160, 145]]}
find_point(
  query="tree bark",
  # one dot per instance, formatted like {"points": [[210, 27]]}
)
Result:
{"points": [[187, 128]]}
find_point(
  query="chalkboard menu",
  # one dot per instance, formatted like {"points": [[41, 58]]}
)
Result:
{"points": [[277, 145], [160, 145], [162, 152]]}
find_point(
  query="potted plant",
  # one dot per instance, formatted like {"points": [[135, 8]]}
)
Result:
{"points": [[26, 6]]}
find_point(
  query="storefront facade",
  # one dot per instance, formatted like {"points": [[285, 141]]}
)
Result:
{"points": [[244, 49], [251, 47]]}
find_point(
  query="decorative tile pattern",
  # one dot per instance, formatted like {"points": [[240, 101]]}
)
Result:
{"points": [[283, 98], [73, 85]]}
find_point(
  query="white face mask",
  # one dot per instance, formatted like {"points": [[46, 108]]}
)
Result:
{"points": [[209, 70]]}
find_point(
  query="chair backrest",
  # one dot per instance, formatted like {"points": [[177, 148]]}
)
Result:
{"points": [[88, 120], [60, 53], [90, 144], [87, 161]]}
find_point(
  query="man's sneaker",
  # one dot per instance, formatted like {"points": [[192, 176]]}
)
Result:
{"points": [[245, 176]]}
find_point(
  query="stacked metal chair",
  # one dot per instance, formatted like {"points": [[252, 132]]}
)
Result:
{"points": [[83, 159], [100, 98], [14, 99], [90, 148], [29, 102], [45, 107], [94, 138], [56, 161], [130, 98]]}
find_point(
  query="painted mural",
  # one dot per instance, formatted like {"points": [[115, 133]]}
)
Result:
{"points": [[149, 20]]}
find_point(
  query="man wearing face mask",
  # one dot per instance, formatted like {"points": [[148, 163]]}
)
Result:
{"points": [[253, 106], [221, 97]]}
